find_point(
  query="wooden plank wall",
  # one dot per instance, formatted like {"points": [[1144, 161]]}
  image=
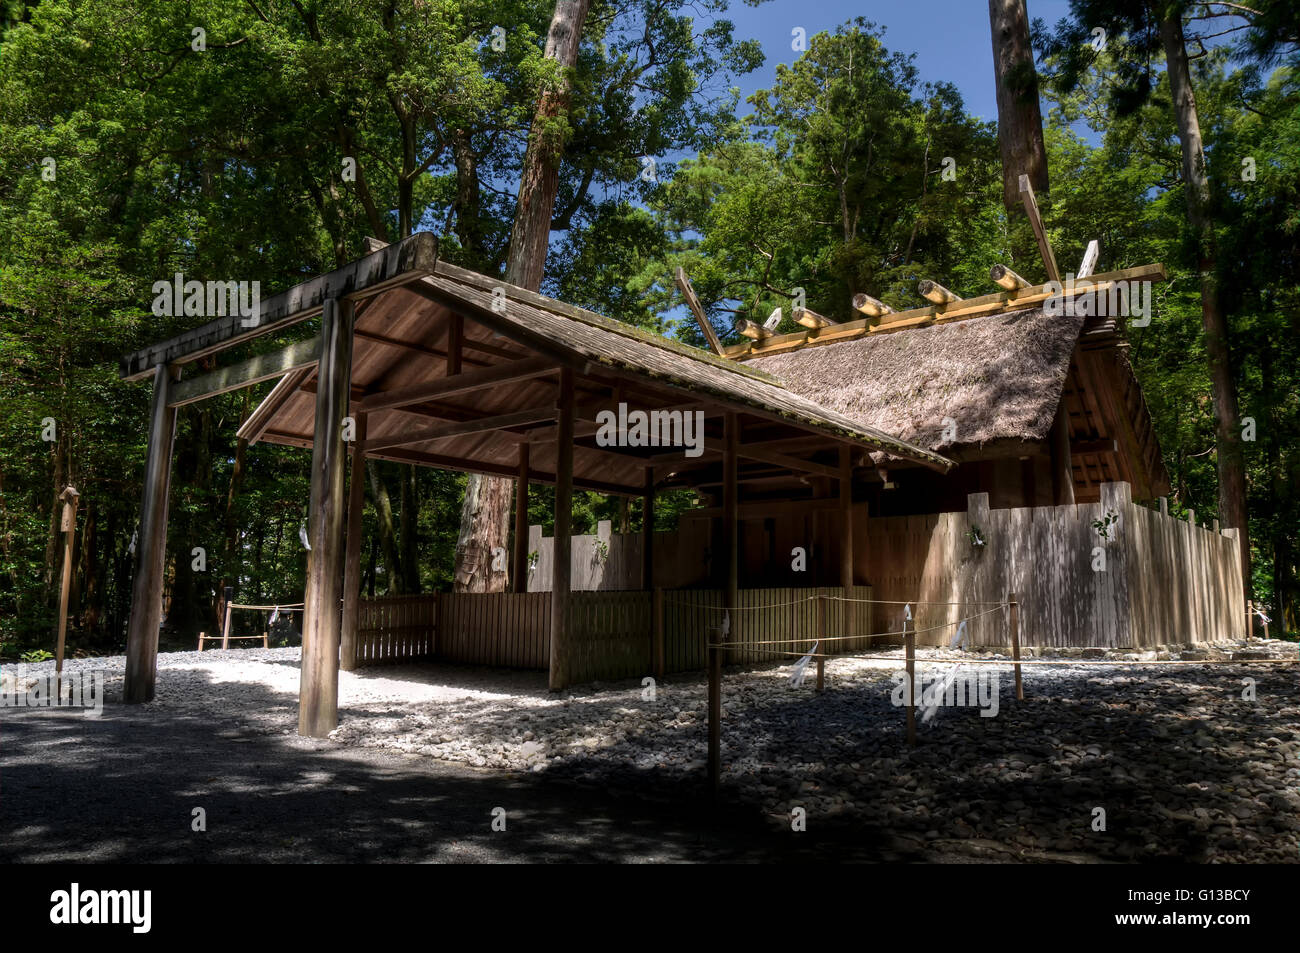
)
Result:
{"points": [[680, 559], [396, 629]]}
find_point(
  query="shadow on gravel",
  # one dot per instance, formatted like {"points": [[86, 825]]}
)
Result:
{"points": [[123, 788]]}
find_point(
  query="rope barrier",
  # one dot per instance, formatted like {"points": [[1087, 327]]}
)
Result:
{"points": [[293, 607], [999, 661]]}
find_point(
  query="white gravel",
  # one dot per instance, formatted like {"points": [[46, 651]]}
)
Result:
{"points": [[1183, 765]]}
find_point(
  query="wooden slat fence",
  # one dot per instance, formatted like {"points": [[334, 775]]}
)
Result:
{"points": [[396, 629], [612, 631]]}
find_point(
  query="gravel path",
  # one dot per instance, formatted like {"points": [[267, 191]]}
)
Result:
{"points": [[1183, 766]]}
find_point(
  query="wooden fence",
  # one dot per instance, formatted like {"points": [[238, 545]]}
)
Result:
{"points": [[395, 629], [612, 632], [1149, 580]]}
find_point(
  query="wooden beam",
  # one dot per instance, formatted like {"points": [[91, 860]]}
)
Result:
{"points": [[394, 265], [463, 382], [1040, 230], [561, 651], [151, 544], [519, 571], [1081, 447], [870, 306], [1089, 263], [755, 332], [936, 293], [1006, 278], [456, 428], [257, 422], [260, 367], [999, 302], [772, 457], [702, 319], [811, 319], [426, 349], [352, 562], [318, 694]]}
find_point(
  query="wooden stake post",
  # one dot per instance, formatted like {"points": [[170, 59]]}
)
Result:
{"points": [[1014, 607], [909, 650], [70, 498], [821, 648]]}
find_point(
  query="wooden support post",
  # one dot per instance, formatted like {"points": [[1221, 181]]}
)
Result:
{"points": [[151, 545], [225, 627], [1062, 464], [1250, 618], [1015, 643], [1191, 517], [1040, 230], [519, 571], [318, 695], [846, 539], [560, 649], [821, 638], [731, 519], [1164, 506], [352, 563], [909, 651], [648, 531], [730, 527], [70, 498]]}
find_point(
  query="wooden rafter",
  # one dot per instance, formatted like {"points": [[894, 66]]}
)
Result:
{"points": [[462, 383], [1040, 230], [702, 319]]}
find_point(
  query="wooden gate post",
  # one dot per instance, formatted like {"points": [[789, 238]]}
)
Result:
{"points": [[658, 644], [70, 497], [151, 545], [352, 563], [1015, 643], [519, 571], [318, 696]]}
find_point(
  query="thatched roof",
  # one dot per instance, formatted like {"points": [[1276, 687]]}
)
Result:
{"points": [[998, 377]]}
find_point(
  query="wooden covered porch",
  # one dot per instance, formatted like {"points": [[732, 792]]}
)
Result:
{"points": [[401, 357]]}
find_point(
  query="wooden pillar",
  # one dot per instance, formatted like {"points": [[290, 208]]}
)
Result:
{"points": [[68, 524], [730, 529], [909, 653], [560, 653], [318, 696], [151, 545], [352, 565], [846, 544], [648, 531], [519, 570], [1062, 466]]}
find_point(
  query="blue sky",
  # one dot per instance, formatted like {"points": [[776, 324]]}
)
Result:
{"points": [[949, 37]]}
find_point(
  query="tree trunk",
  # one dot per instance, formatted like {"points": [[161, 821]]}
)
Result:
{"points": [[1020, 123], [485, 515], [384, 517], [410, 529], [1229, 456]]}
